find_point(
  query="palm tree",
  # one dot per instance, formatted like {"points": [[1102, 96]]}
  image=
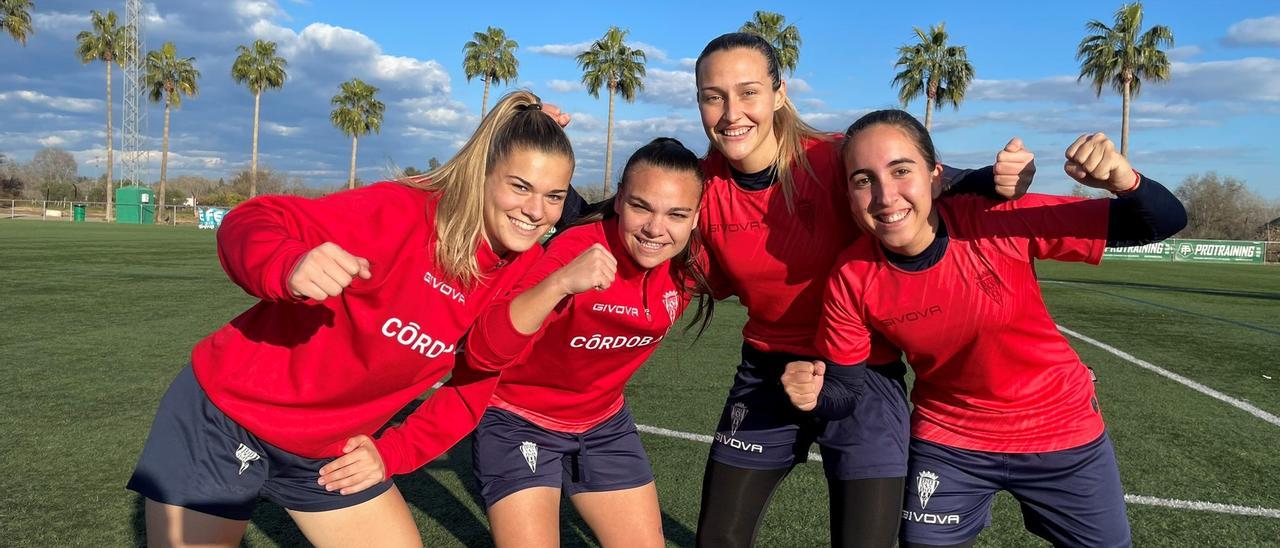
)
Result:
{"points": [[785, 39], [15, 19], [106, 42], [261, 70], [939, 71], [356, 113], [610, 63], [1120, 56], [491, 56], [169, 77]]}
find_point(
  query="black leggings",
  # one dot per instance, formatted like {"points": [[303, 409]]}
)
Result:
{"points": [[864, 513]]}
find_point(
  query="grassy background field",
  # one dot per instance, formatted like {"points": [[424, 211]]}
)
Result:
{"points": [[97, 319]]}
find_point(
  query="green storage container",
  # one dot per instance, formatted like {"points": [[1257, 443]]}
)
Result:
{"points": [[77, 213], [135, 205]]}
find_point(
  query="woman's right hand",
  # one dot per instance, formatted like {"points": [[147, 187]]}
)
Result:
{"points": [[595, 269], [325, 271], [802, 382]]}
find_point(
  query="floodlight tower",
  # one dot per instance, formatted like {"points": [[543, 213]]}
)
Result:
{"points": [[134, 158]]}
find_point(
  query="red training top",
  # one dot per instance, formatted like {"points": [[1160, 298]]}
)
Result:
{"points": [[774, 259], [992, 371], [569, 377], [304, 375]]}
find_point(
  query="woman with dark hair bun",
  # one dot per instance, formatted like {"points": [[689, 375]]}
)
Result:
{"points": [[592, 309]]}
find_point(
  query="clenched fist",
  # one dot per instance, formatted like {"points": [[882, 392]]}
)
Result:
{"points": [[1094, 161], [1014, 169], [595, 269], [325, 271], [803, 382]]}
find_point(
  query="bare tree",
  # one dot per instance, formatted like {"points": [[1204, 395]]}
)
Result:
{"points": [[51, 173], [1223, 208]]}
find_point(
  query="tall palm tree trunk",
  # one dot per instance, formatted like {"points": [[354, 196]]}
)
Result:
{"points": [[164, 165], [928, 113], [253, 164], [608, 147], [1124, 122], [351, 180], [484, 103], [930, 96], [110, 156]]}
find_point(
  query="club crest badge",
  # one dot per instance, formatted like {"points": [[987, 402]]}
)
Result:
{"points": [[245, 456], [737, 414], [530, 452], [926, 483], [671, 300]]}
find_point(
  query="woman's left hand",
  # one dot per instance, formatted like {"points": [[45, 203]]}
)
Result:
{"points": [[359, 468], [1093, 161], [1014, 169]]}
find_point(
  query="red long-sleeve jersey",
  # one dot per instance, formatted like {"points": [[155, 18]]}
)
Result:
{"points": [[776, 259], [304, 375], [992, 371], [570, 375]]}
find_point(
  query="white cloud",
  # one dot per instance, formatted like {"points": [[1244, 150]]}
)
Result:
{"points": [[256, 9], [328, 38], [68, 104], [1263, 31], [651, 52], [669, 87], [281, 130], [561, 50], [835, 120], [688, 62], [62, 24], [1054, 88], [796, 85], [564, 86], [439, 113], [1183, 53], [424, 76], [1248, 79]]}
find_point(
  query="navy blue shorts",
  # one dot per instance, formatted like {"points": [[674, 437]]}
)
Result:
{"points": [[510, 454], [1071, 497], [760, 430], [196, 457]]}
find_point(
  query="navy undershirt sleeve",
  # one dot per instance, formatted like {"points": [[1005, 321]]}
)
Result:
{"points": [[981, 181], [1150, 213], [841, 389]]}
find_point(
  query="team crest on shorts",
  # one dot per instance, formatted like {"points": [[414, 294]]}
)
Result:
{"points": [[671, 300], [245, 456], [926, 483], [530, 452], [736, 415]]}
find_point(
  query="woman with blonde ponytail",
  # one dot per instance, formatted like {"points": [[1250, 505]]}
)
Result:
{"points": [[364, 297], [774, 217]]}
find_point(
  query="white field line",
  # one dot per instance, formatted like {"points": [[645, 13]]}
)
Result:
{"points": [[1234, 402], [1195, 505]]}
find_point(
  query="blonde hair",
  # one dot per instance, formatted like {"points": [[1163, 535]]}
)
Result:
{"points": [[515, 123], [791, 132]]}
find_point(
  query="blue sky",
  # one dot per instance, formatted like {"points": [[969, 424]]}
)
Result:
{"points": [[1217, 114]]}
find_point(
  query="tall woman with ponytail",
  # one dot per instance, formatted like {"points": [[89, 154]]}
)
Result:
{"points": [[364, 297], [774, 217]]}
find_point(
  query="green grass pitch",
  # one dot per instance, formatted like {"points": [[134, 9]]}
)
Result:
{"points": [[97, 319]]}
